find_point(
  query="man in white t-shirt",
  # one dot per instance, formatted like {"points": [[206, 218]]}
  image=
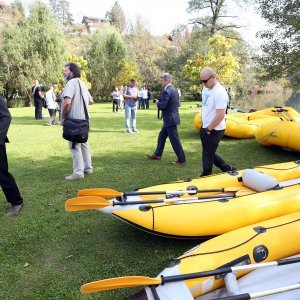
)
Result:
{"points": [[214, 103]]}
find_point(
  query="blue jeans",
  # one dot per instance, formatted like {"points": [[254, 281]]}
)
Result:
{"points": [[130, 114]]}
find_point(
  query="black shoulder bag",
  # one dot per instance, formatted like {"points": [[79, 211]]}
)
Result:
{"points": [[77, 130]]}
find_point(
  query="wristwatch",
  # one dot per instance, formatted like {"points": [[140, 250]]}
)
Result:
{"points": [[207, 130]]}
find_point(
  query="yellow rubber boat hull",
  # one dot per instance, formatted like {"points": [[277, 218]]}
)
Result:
{"points": [[279, 133]]}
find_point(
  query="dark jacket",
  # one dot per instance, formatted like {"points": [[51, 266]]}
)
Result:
{"points": [[169, 103], [5, 119]]}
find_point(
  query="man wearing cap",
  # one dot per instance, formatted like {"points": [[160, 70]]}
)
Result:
{"points": [[214, 104]]}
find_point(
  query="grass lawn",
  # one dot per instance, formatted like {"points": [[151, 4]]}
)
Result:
{"points": [[47, 253]]}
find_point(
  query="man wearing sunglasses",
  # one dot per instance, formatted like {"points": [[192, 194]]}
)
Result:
{"points": [[214, 103]]}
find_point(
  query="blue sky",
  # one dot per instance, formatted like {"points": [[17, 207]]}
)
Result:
{"points": [[163, 15]]}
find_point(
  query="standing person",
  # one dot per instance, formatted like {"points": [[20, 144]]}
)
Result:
{"points": [[148, 98], [169, 103], [52, 105], [214, 103], [144, 96], [7, 181], [121, 101], [130, 95], [229, 99], [140, 99], [116, 99], [75, 92], [179, 93], [37, 100]]}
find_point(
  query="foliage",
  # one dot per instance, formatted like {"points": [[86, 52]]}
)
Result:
{"points": [[128, 71], [219, 57], [61, 8], [17, 4], [105, 54], [217, 11], [117, 17], [82, 64], [146, 50], [31, 49], [281, 51]]}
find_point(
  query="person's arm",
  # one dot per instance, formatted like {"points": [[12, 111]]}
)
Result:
{"points": [[220, 115], [91, 100], [65, 109], [163, 100]]}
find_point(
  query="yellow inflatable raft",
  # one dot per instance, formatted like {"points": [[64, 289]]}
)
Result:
{"points": [[279, 133], [258, 243], [180, 215], [244, 125]]}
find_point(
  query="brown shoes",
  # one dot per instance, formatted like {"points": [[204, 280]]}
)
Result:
{"points": [[14, 209], [153, 156]]}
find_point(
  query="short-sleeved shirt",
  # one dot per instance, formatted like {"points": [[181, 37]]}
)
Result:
{"points": [[36, 92], [213, 99], [129, 91], [72, 91], [5, 119]]}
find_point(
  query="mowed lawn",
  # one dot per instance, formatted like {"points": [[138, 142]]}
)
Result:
{"points": [[47, 253]]}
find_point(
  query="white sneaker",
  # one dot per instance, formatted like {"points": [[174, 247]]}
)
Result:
{"points": [[128, 131], [88, 171], [74, 177]]}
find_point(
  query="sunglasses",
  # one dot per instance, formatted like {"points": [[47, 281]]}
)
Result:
{"points": [[206, 80]]}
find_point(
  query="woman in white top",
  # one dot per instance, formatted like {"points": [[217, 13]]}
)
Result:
{"points": [[51, 105]]}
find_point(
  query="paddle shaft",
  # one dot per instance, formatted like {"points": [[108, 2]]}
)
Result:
{"points": [[191, 192], [256, 295], [168, 200], [228, 270]]}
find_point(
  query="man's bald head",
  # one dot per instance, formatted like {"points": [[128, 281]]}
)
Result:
{"points": [[207, 72], [208, 77]]}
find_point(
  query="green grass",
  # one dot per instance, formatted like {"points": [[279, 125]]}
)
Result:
{"points": [[47, 253]]}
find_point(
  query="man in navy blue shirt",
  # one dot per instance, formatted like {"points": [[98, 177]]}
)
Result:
{"points": [[169, 103]]}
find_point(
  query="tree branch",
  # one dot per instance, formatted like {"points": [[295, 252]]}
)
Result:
{"points": [[229, 26]]}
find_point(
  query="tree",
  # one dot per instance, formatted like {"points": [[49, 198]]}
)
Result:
{"points": [[211, 22], [219, 57], [281, 51], [17, 4], [82, 64], [61, 8], [31, 49], [106, 55], [117, 17]]}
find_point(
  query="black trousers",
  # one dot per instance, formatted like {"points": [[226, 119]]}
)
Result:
{"points": [[7, 181], [210, 143], [172, 134], [115, 105], [38, 109]]}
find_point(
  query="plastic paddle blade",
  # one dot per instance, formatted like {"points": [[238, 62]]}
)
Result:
{"points": [[105, 193], [118, 283], [86, 203]]}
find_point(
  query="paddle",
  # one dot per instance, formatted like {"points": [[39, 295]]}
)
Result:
{"points": [[133, 281], [110, 193], [95, 202], [257, 295]]}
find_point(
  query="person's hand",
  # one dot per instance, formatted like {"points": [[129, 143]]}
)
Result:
{"points": [[62, 122]]}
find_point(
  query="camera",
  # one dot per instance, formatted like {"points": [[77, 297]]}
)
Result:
{"points": [[155, 100]]}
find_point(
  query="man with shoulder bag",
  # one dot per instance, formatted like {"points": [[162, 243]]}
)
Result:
{"points": [[75, 121]]}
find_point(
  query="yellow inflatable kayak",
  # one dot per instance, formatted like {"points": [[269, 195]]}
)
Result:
{"points": [[207, 212], [279, 133], [244, 125], [258, 243]]}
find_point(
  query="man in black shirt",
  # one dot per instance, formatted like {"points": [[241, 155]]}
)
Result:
{"points": [[7, 181], [37, 97]]}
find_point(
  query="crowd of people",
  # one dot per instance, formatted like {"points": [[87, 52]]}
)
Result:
{"points": [[75, 100]]}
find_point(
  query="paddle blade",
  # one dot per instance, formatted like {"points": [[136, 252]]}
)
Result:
{"points": [[105, 193], [118, 283], [86, 203]]}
